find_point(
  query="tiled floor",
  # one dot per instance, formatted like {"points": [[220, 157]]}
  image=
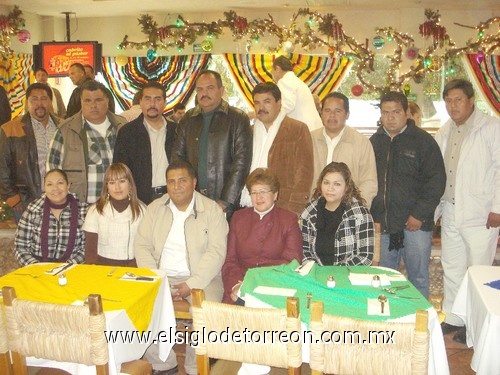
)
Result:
{"points": [[459, 356]]}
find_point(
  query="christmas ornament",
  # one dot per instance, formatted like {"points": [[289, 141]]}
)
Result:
{"points": [[412, 53], [436, 63], [240, 24], [406, 89], [378, 42], [151, 55], [288, 46], [480, 57], [207, 45], [357, 90], [24, 36], [121, 60]]}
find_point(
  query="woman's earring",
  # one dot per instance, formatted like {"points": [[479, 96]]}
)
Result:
{"points": [[128, 195], [107, 197]]}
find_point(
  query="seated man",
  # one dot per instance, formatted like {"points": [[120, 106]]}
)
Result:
{"points": [[184, 233]]}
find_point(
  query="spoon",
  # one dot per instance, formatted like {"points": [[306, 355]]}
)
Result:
{"points": [[382, 299]]}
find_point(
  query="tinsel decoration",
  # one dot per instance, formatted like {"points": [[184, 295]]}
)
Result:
{"points": [[10, 24]]}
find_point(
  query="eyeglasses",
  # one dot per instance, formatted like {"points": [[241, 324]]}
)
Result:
{"points": [[259, 193], [457, 101]]}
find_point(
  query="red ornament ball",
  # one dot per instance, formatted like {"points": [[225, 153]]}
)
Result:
{"points": [[357, 90], [24, 36]]}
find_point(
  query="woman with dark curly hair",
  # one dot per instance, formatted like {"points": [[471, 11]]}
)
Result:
{"points": [[337, 228]]}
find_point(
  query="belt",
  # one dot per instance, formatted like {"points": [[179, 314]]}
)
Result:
{"points": [[157, 190]]}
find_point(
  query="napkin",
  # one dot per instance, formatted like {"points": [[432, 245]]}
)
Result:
{"points": [[139, 278], [494, 284], [366, 279], [273, 291], [305, 267], [374, 307]]}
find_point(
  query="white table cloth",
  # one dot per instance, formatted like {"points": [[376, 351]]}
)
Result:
{"points": [[479, 307]]}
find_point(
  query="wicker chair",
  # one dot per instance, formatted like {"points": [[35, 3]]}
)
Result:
{"points": [[64, 333], [5, 365], [408, 354], [213, 316]]}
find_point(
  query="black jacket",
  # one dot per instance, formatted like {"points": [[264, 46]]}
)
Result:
{"points": [[19, 173], [411, 178], [229, 150], [133, 148]]}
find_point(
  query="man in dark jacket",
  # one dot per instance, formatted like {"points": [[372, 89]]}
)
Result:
{"points": [[217, 140], [5, 111], [145, 144], [24, 144], [411, 181]]}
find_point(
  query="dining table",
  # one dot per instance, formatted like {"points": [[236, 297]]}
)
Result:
{"points": [[478, 304], [136, 301], [354, 293]]}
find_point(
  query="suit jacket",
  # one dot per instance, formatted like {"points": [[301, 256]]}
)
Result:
{"points": [[133, 148], [291, 159], [356, 151]]}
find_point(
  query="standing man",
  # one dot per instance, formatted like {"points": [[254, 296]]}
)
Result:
{"points": [[178, 113], [5, 110], [298, 100], [470, 143], [184, 233], [145, 144], [337, 142], [78, 77], [83, 145], [24, 145], [283, 145], [89, 71], [42, 76], [411, 181], [217, 140]]}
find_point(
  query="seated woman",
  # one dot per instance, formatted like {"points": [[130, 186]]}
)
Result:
{"points": [[112, 222], [262, 235], [50, 229], [337, 227]]}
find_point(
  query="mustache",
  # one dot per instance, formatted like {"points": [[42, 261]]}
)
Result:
{"points": [[262, 112], [205, 97]]}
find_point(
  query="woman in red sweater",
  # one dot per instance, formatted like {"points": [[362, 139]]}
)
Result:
{"points": [[262, 235]]}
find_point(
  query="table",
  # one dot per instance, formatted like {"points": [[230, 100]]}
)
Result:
{"points": [[129, 305], [346, 299], [479, 307]]}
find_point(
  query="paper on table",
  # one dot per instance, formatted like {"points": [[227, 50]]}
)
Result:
{"points": [[398, 277], [375, 308], [269, 290], [144, 279], [366, 279]]}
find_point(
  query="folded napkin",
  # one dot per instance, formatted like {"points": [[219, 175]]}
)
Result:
{"points": [[305, 267], [366, 279], [494, 284], [375, 308], [273, 291], [144, 279]]}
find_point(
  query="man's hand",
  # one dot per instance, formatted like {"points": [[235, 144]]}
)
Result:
{"points": [[413, 224], [493, 220], [235, 290], [180, 291]]}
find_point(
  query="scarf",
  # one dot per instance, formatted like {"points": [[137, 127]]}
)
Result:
{"points": [[73, 226]]}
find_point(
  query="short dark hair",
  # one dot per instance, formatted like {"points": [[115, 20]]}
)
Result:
{"points": [[266, 87], [60, 171], [137, 97], [92, 85], [181, 164], [179, 107], [283, 63], [155, 85], [337, 95], [40, 69], [263, 176], [395, 96], [461, 84], [89, 66], [38, 86], [215, 74], [78, 65]]}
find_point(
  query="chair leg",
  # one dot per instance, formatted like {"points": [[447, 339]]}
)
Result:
{"points": [[203, 364], [5, 366], [294, 370], [19, 364], [102, 369]]}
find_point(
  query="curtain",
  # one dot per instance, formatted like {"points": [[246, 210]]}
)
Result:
{"points": [[176, 73], [15, 76], [323, 74], [487, 76]]}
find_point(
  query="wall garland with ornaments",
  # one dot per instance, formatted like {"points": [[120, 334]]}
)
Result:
{"points": [[312, 30]]}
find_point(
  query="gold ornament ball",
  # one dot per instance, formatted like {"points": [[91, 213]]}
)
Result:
{"points": [[121, 60], [207, 45], [288, 46]]}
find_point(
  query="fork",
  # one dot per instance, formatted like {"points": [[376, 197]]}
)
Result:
{"points": [[27, 274]]}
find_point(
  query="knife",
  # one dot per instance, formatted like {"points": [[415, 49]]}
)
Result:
{"points": [[144, 278], [62, 269]]}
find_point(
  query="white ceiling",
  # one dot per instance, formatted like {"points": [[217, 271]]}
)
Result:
{"points": [[101, 8]]}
